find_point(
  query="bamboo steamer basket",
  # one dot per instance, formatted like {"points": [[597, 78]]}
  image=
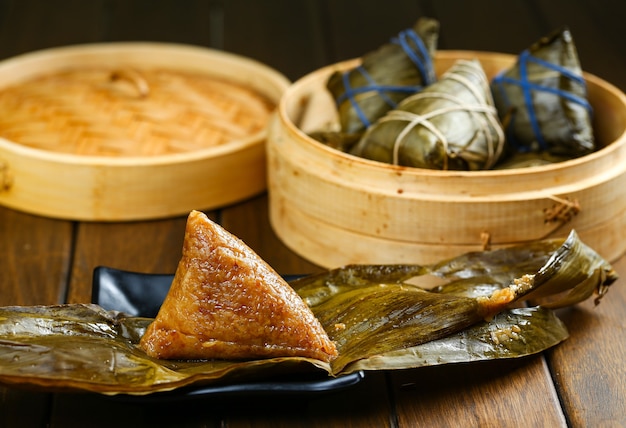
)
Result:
{"points": [[88, 172], [335, 209]]}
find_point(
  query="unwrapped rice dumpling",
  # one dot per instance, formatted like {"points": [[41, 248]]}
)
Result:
{"points": [[450, 125], [385, 77], [542, 100], [225, 302]]}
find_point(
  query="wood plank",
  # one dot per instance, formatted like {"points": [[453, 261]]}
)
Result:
{"points": [[597, 31], [35, 255], [167, 21], [487, 25], [38, 24], [95, 411], [283, 34], [296, 38], [493, 393], [364, 405], [250, 222], [35, 252], [355, 30], [149, 247], [361, 406], [477, 25], [589, 368]]}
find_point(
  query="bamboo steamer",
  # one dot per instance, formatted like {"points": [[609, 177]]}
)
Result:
{"points": [[335, 209], [189, 131]]}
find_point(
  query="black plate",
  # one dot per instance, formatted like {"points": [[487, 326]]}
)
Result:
{"points": [[140, 294]]}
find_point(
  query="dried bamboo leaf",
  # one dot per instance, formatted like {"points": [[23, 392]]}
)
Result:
{"points": [[368, 313], [513, 333], [378, 317], [573, 273], [85, 347]]}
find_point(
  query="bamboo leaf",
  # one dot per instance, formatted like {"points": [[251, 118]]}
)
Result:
{"points": [[511, 334], [380, 317]]}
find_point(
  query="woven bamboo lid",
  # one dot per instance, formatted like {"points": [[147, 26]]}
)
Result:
{"points": [[132, 130], [108, 112]]}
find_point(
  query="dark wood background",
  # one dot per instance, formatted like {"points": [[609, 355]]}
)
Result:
{"points": [[298, 36], [47, 261]]}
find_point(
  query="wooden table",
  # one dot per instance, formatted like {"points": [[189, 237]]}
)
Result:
{"points": [[580, 383]]}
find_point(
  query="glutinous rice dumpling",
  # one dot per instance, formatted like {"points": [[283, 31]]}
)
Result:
{"points": [[386, 76], [225, 303], [450, 125], [542, 100]]}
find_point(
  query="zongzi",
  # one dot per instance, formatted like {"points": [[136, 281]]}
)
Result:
{"points": [[386, 76], [450, 125], [225, 302], [542, 99]]}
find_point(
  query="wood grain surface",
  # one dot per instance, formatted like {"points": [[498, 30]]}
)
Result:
{"points": [[580, 383]]}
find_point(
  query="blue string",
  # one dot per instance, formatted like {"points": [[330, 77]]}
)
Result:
{"points": [[527, 88], [422, 61], [349, 92]]}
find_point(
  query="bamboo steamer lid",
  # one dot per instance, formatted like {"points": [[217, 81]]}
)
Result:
{"points": [[127, 131], [335, 209]]}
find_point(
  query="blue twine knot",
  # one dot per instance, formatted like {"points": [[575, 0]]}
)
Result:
{"points": [[417, 53], [528, 87]]}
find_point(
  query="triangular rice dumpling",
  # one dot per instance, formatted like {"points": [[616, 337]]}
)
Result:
{"points": [[450, 125], [225, 302], [542, 100], [386, 76]]}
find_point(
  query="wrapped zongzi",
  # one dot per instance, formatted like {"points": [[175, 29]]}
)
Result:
{"points": [[386, 76], [450, 125], [542, 99]]}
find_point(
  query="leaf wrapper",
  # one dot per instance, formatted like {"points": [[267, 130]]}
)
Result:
{"points": [[513, 333], [381, 317]]}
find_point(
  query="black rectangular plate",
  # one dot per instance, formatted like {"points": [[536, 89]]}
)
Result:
{"points": [[141, 295]]}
